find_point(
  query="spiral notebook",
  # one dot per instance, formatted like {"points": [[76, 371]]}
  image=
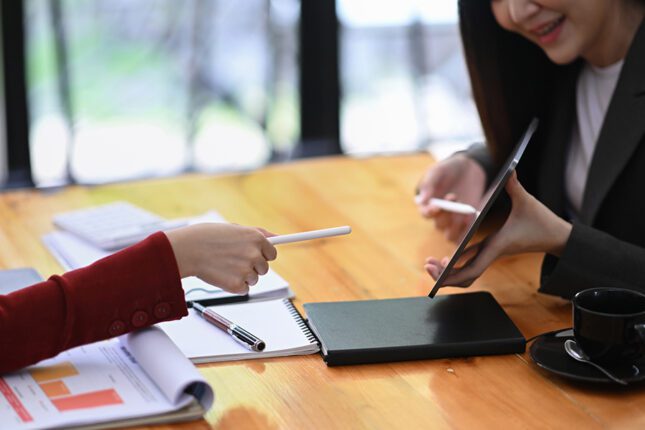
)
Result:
{"points": [[277, 322]]}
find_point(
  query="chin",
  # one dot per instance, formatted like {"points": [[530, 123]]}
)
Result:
{"points": [[561, 56]]}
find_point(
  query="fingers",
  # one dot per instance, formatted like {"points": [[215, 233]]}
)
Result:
{"points": [[464, 277], [479, 257], [433, 267], [239, 281], [472, 270], [268, 250], [252, 278], [451, 224], [433, 271], [427, 209], [232, 284], [259, 242], [423, 192], [443, 220], [261, 267], [426, 189], [265, 233], [227, 256], [255, 261], [259, 262], [421, 197], [456, 229]]}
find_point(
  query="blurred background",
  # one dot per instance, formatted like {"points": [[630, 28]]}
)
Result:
{"points": [[109, 90]]}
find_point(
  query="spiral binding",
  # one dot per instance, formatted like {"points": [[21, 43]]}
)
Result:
{"points": [[300, 321]]}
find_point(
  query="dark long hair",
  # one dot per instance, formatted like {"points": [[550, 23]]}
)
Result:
{"points": [[511, 77]]}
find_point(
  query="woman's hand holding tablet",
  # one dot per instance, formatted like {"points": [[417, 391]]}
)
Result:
{"points": [[530, 227], [443, 271]]}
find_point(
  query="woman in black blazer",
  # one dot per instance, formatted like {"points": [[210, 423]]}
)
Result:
{"points": [[586, 163]]}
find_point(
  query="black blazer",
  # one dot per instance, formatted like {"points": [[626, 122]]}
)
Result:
{"points": [[607, 243]]}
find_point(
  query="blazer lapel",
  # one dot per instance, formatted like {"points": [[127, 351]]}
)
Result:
{"points": [[621, 132]]}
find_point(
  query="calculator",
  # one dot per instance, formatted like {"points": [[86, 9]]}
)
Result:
{"points": [[114, 225]]}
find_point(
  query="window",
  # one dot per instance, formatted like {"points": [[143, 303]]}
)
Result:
{"points": [[405, 84], [121, 89]]}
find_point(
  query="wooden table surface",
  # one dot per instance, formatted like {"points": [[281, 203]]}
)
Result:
{"points": [[382, 258]]}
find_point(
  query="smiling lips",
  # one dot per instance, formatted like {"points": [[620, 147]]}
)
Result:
{"points": [[549, 32]]}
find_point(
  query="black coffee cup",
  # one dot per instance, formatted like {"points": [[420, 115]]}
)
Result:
{"points": [[609, 324]]}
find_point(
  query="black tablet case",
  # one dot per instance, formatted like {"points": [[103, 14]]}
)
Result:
{"points": [[376, 331]]}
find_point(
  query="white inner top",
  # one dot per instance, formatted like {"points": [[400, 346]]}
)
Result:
{"points": [[593, 92]]}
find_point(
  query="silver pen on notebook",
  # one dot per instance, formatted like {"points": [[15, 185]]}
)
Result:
{"points": [[247, 339]]}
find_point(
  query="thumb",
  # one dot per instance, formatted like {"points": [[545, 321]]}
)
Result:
{"points": [[513, 187]]}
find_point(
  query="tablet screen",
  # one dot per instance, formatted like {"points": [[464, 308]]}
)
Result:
{"points": [[487, 202]]}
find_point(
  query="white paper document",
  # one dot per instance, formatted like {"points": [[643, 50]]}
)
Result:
{"points": [[139, 378]]}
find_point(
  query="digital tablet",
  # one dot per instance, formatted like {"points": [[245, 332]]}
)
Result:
{"points": [[487, 202]]}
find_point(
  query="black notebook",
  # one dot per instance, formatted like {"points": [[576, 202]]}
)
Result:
{"points": [[376, 331]]}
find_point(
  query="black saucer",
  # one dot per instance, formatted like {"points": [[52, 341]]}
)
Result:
{"points": [[547, 351]]}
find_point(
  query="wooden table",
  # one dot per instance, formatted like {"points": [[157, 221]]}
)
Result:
{"points": [[382, 258]]}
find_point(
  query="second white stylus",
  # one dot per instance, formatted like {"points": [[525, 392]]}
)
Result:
{"points": [[309, 235], [456, 207], [450, 206]]}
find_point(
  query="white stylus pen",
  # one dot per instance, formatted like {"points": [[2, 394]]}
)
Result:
{"points": [[308, 235], [456, 207]]}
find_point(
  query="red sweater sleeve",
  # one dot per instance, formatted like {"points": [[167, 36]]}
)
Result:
{"points": [[133, 288]]}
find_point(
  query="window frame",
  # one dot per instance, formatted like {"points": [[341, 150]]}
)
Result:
{"points": [[16, 116]]}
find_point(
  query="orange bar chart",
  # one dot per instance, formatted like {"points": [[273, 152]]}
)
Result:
{"points": [[58, 371], [55, 389], [87, 400], [51, 381]]}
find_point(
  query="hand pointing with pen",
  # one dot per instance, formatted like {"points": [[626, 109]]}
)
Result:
{"points": [[231, 256], [228, 256]]}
